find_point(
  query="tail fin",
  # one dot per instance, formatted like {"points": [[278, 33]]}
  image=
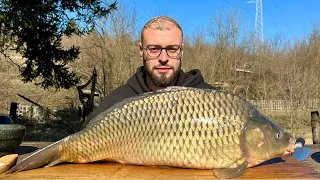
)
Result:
{"points": [[46, 156]]}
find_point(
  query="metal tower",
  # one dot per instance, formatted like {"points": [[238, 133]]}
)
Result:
{"points": [[258, 25]]}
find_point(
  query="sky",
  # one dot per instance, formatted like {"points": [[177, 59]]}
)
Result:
{"points": [[292, 19]]}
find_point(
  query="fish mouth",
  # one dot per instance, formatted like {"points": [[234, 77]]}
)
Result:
{"points": [[290, 148]]}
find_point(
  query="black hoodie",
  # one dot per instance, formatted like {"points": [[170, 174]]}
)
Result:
{"points": [[136, 85]]}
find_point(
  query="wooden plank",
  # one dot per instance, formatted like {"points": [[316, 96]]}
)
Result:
{"points": [[278, 168], [313, 160], [289, 169], [6, 162]]}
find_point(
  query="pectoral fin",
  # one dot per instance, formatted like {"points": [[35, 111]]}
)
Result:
{"points": [[226, 173]]}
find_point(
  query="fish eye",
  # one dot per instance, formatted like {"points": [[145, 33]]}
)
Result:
{"points": [[278, 135]]}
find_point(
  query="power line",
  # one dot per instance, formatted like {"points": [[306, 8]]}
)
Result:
{"points": [[240, 8], [266, 12], [246, 9], [283, 17]]}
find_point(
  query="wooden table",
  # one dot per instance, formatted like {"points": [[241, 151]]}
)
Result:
{"points": [[313, 160], [278, 168]]}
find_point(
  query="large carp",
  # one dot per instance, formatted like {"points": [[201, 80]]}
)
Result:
{"points": [[176, 126]]}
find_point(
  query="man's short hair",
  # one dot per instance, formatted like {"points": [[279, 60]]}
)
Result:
{"points": [[160, 23]]}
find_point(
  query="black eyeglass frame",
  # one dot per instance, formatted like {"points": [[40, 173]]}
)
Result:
{"points": [[161, 48]]}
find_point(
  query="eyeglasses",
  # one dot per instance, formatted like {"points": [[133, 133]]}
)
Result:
{"points": [[154, 51]]}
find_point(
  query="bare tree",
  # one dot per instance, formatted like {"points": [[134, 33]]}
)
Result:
{"points": [[230, 50], [112, 49]]}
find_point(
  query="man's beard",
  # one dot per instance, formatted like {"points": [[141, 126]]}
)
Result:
{"points": [[163, 80]]}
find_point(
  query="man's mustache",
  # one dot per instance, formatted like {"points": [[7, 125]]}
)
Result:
{"points": [[161, 66]]}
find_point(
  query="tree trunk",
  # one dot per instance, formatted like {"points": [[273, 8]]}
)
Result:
{"points": [[88, 104], [315, 125]]}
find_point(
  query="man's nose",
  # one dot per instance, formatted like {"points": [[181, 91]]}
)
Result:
{"points": [[163, 55]]}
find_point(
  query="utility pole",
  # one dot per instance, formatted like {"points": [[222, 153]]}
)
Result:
{"points": [[258, 25]]}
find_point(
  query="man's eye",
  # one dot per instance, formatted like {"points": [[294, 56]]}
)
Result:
{"points": [[153, 49], [172, 49]]}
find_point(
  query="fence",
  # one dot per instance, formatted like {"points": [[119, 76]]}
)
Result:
{"points": [[286, 104], [34, 112]]}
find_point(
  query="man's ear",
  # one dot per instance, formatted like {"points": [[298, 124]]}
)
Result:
{"points": [[182, 46], [141, 49]]}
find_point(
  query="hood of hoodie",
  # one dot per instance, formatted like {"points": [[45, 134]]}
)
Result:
{"points": [[188, 79]]}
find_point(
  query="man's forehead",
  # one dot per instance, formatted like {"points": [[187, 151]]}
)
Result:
{"points": [[162, 25]]}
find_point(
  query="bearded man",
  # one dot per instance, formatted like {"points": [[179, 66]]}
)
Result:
{"points": [[161, 50]]}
